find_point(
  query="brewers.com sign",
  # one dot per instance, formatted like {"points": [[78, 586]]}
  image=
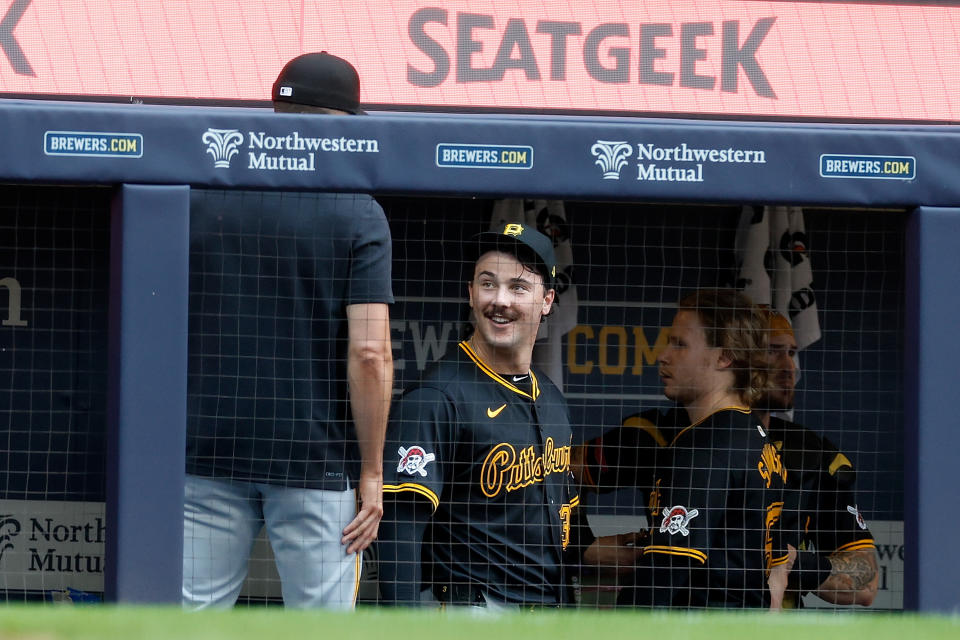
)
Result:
{"points": [[786, 59]]}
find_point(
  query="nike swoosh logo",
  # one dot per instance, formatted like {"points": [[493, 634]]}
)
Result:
{"points": [[493, 413], [519, 378]]}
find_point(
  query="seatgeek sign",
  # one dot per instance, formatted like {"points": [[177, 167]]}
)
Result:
{"points": [[724, 57]]}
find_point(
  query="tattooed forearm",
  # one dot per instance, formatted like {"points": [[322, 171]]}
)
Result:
{"points": [[853, 568], [853, 579]]}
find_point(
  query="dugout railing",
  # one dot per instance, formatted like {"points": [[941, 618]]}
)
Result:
{"points": [[151, 155]]}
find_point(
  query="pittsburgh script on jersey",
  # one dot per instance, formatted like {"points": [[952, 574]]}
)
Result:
{"points": [[505, 469], [771, 464]]}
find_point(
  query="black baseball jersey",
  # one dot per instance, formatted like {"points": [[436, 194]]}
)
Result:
{"points": [[830, 518], [494, 460], [271, 275], [715, 512], [626, 456]]}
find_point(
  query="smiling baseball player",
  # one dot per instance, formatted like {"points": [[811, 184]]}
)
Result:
{"points": [[479, 450]]}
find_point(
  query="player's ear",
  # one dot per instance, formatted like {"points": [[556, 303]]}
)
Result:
{"points": [[724, 360], [470, 292], [548, 300]]}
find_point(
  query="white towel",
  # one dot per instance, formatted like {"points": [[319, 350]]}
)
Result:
{"points": [[774, 267]]}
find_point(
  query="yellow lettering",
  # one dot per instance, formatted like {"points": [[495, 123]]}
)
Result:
{"points": [[615, 352], [513, 229], [898, 167], [510, 156], [565, 512], [500, 458], [621, 335], [123, 145], [770, 464], [644, 353], [503, 469], [773, 515], [654, 502], [586, 367]]}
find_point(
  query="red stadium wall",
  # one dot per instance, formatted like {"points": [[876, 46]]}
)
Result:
{"points": [[740, 58]]}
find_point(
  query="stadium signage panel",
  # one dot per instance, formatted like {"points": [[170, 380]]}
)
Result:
{"points": [[52, 545], [267, 151], [876, 167], [89, 143], [674, 163], [780, 59], [484, 156], [515, 51], [224, 147]]}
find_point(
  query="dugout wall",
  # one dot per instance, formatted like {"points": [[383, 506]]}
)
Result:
{"points": [[437, 175]]}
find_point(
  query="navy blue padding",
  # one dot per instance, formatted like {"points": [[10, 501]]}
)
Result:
{"points": [[931, 435], [146, 412], [551, 156]]}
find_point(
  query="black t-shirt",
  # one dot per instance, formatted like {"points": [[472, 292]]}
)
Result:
{"points": [[494, 461], [271, 275]]}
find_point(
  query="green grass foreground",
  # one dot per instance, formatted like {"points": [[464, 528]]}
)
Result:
{"points": [[55, 622]]}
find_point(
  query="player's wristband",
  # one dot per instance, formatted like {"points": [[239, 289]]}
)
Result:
{"points": [[811, 569]]}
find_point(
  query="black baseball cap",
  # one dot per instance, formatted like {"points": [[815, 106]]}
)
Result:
{"points": [[319, 80], [527, 244]]}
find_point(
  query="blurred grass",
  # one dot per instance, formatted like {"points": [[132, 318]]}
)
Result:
{"points": [[56, 622]]}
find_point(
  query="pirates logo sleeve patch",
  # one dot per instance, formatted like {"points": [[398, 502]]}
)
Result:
{"points": [[414, 460], [676, 519], [854, 510]]}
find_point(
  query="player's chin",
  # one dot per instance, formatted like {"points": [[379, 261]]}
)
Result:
{"points": [[781, 401]]}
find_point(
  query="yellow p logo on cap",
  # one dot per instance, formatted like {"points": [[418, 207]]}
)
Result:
{"points": [[513, 230]]}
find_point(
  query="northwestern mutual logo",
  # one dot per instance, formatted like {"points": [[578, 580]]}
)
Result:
{"points": [[291, 152], [222, 144], [9, 529], [676, 163], [611, 157]]}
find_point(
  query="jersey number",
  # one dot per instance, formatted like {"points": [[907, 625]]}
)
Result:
{"points": [[565, 512]]}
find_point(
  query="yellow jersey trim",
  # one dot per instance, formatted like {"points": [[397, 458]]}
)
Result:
{"points": [[856, 545], [651, 429], [743, 410], [686, 552], [776, 562], [356, 584], [483, 366], [414, 488], [358, 557], [839, 461]]}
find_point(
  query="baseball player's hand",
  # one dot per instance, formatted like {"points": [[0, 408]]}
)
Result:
{"points": [[362, 531], [619, 552], [777, 581]]}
